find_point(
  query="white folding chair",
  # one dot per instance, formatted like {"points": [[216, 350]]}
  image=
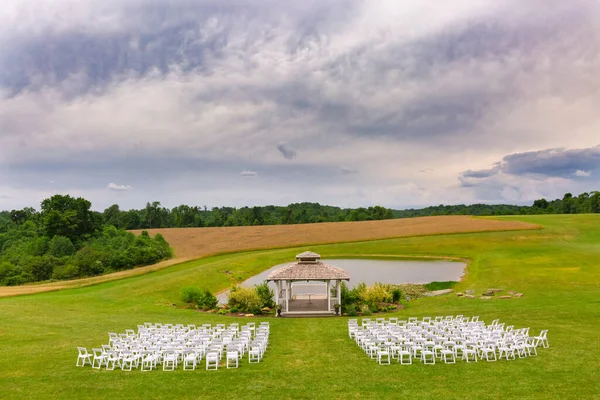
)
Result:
{"points": [[83, 357], [190, 360], [232, 356], [212, 361], [99, 358]]}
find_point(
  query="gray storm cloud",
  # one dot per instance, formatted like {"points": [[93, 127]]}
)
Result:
{"points": [[175, 99]]}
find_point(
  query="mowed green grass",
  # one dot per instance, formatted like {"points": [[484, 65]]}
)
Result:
{"points": [[556, 267]]}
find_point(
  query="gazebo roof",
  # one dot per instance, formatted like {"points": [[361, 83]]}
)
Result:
{"points": [[300, 271]]}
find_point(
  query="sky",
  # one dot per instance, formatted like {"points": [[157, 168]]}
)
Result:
{"points": [[349, 103]]}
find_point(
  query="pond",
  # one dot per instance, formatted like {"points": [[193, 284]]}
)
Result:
{"points": [[371, 271]]}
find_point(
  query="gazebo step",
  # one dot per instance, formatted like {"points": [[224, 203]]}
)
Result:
{"points": [[313, 314]]}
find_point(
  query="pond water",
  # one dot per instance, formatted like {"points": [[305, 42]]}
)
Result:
{"points": [[371, 271]]}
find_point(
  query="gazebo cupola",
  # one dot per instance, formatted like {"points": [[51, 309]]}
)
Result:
{"points": [[308, 257]]}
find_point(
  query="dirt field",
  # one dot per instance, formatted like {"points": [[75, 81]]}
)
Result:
{"points": [[192, 243]]}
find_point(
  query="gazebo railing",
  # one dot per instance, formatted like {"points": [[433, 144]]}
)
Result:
{"points": [[332, 302]]}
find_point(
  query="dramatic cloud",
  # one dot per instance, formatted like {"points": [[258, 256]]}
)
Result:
{"points": [[176, 98], [286, 150], [533, 172], [118, 188]]}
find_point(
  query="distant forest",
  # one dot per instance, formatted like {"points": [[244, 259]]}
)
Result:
{"points": [[66, 239], [156, 216], [585, 203]]}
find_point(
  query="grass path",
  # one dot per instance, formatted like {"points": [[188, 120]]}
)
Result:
{"points": [[557, 268]]}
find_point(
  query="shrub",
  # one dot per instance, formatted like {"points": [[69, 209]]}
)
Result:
{"points": [[16, 280], [6, 270], [209, 300], [396, 295], [245, 299], [352, 313], [233, 310], [222, 311], [40, 267], [378, 293], [266, 295], [191, 294], [348, 296], [67, 271], [366, 312], [201, 297], [349, 307]]}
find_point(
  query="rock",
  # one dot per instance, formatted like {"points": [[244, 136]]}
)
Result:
{"points": [[469, 291], [488, 294], [265, 309], [248, 315], [518, 295], [485, 298], [511, 292], [494, 290], [469, 296], [505, 297], [460, 294], [439, 292]]}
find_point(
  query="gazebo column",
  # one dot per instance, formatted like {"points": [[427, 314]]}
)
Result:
{"points": [[339, 294], [328, 282], [277, 292], [288, 295]]}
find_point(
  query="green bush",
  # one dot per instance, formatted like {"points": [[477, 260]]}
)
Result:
{"points": [[245, 299], [348, 296], [233, 310], [209, 300], [222, 311], [192, 294], [203, 298], [349, 307], [396, 295], [366, 312], [352, 313], [378, 293], [266, 295], [67, 271], [6, 270]]}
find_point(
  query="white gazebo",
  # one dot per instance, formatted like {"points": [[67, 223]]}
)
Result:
{"points": [[305, 286]]}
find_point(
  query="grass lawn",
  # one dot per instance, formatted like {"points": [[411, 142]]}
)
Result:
{"points": [[557, 268]]}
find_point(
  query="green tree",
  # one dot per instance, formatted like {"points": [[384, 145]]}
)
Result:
{"points": [[61, 246], [71, 217]]}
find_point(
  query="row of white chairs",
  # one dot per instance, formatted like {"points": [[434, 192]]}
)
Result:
{"points": [[442, 338], [174, 345]]}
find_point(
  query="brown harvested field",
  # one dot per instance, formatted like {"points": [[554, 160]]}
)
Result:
{"points": [[192, 243], [199, 242]]}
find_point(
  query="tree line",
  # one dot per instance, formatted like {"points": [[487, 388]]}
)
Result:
{"points": [[585, 203], [67, 240], [154, 215]]}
